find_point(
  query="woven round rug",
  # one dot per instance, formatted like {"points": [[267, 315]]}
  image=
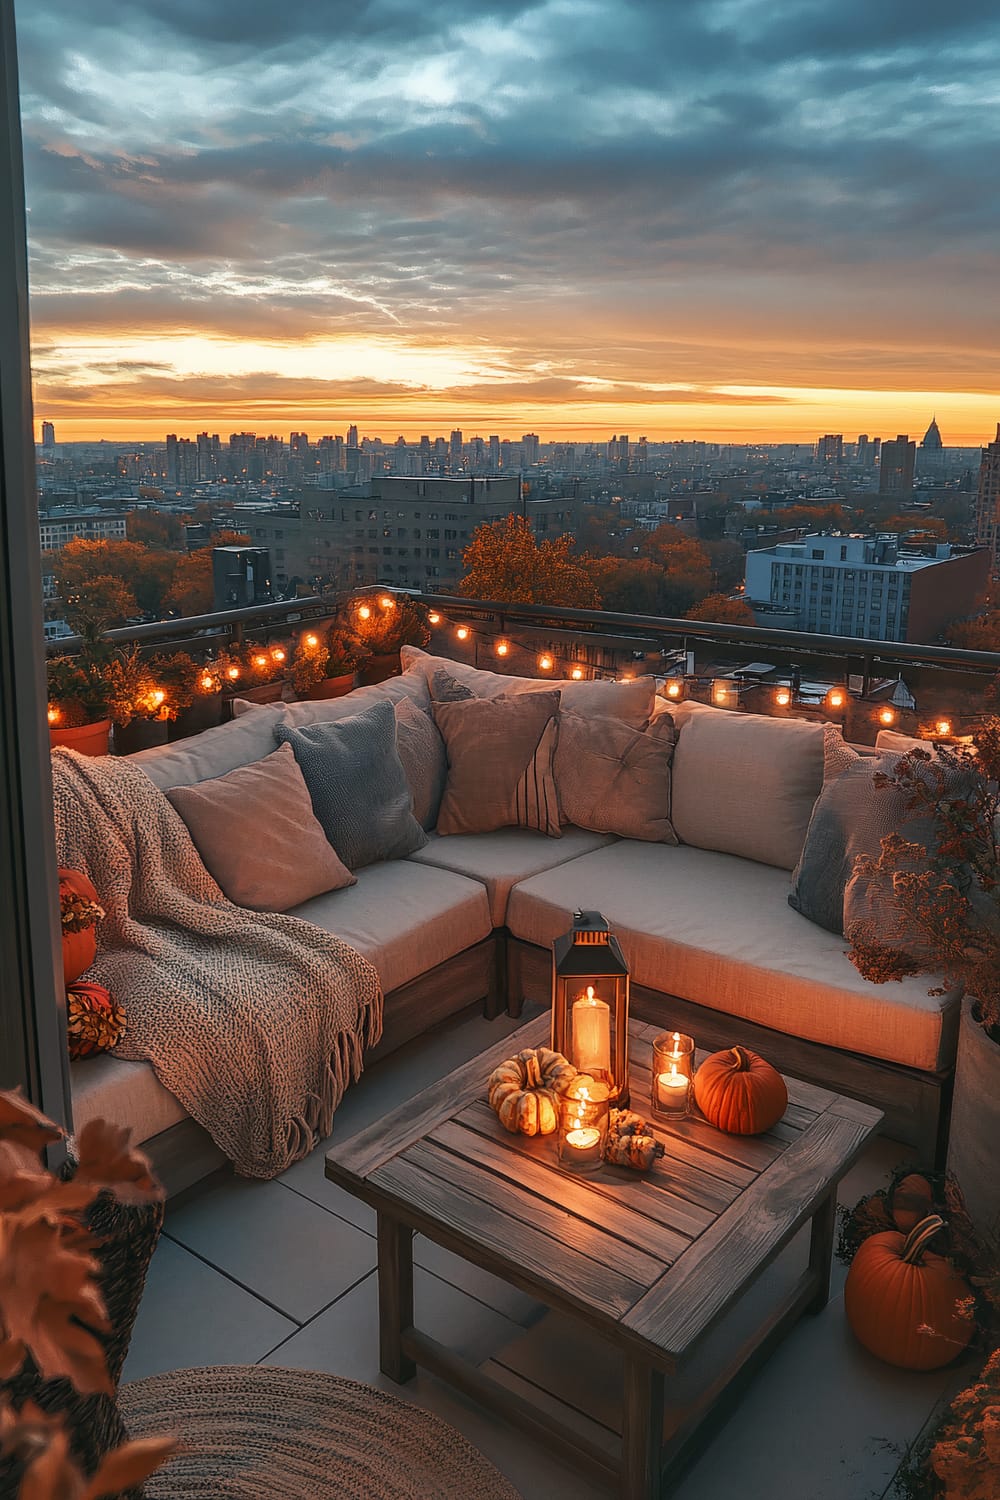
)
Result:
{"points": [[254, 1432]]}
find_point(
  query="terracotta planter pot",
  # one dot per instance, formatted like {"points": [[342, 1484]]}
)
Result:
{"points": [[140, 734], [379, 668], [204, 713], [266, 692], [975, 1123], [331, 687], [88, 739]]}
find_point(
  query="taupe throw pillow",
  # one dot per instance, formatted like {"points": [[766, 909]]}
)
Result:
{"points": [[258, 836], [615, 779], [499, 764]]}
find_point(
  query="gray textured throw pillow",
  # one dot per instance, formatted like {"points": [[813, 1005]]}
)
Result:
{"points": [[421, 749], [615, 779], [358, 786]]}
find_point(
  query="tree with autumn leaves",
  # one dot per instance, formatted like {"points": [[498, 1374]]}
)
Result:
{"points": [[505, 561], [118, 580]]}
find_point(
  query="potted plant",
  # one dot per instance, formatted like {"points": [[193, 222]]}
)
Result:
{"points": [[79, 714], [326, 663], [385, 622], [194, 693], [140, 705], [947, 893], [261, 668]]}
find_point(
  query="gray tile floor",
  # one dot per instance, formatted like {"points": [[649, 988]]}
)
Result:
{"points": [[284, 1273]]}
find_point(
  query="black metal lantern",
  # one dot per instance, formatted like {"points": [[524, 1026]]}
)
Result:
{"points": [[590, 1002]]}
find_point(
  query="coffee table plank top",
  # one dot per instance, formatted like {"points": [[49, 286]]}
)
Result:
{"points": [[656, 1256]]}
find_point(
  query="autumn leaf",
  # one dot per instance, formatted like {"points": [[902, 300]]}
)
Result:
{"points": [[50, 1301], [128, 1465], [21, 1124], [105, 1160]]}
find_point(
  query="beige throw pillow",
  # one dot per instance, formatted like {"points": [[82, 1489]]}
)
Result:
{"points": [[745, 783], [259, 838], [612, 778], [499, 764]]}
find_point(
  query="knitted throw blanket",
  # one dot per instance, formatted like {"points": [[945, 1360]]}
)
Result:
{"points": [[256, 1021]]}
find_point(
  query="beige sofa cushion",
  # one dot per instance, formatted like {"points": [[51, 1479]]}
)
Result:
{"points": [[251, 736], [745, 783], [126, 1094], [405, 920], [718, 930], [631, 701], [502, 858]]}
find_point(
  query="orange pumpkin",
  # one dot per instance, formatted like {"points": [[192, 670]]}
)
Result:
{"points": [[80, 909], [739, 1092], [905, 1304], [912, 1200]]}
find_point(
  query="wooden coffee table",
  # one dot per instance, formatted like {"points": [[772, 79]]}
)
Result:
{"points": [[650, 1260]]}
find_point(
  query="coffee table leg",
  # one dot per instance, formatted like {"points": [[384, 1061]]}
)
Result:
{"points": [[824, 1224], [395, 1296], [642, 1430]]}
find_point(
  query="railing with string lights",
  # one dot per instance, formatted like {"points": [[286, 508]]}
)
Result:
{"points": [[931, 691]]}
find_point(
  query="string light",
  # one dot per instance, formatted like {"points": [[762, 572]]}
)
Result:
{"points": [[311, 640], [260, 661], [387, 601], [943, 728], [723, 692], [364, 612], [782, 696], [545, 662], [207, 682], [462, 632], [576, 674], [674, 688], [54, 715], [503, 648], [887, 716], [434, 618], [836, 698], [278, 654], [232, 673]]}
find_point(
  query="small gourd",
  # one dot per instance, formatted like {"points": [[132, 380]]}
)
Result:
{"points": [[79, 910], [525, 1090], [630, 1141], [739, 1092], [912, 1200], [905, 1304]]}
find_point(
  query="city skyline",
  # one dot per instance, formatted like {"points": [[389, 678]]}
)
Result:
{"points": [[736, 222]]}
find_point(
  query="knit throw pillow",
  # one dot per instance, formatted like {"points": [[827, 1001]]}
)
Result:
{"points": [[613, 778], [358, 786], [500, 754]]}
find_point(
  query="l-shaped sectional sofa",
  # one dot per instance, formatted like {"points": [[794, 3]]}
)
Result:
{"points": [[713, 946]]}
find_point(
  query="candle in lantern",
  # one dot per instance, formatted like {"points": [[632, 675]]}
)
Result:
{"points": [[583, 1122], [591, 1034], [583, 1145]]}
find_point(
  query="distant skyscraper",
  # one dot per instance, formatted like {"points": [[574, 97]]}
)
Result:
{"points": [[494, 452], [455, 454], [830, 448], [352, 436], [529, 448], [988, 502], [48, 435], [862, 451], [932, 438], [896, 472]]}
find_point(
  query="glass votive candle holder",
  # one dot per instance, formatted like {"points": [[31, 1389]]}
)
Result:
{"points": [[672, 1072], [583, 1124]]}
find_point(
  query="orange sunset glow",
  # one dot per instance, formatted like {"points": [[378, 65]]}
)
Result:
{"points": [[738, 223]]}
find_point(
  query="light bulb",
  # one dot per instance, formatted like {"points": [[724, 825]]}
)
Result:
{"points": [[503, 647], [156, 697], [434, 618], [782, 696], [54, 715], [576, 674], [387, 601], [462, 632], [278, 654], [207, 682], [545, 662], [260, 661], [887, 716], [835, 698], [943, 728], [232, 673], [364, 612], [312, 641], [674, 689]]}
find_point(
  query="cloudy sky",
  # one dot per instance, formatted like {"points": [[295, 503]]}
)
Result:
{"points": [[703, 218]]}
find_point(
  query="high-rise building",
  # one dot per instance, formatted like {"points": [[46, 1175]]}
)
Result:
{"points": [[830, 448], [862, 450], [932, 438], [455, 450], [352, 436], [529, 449], [48, 435], [494, 453], [988, 502], [896, 470]]}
